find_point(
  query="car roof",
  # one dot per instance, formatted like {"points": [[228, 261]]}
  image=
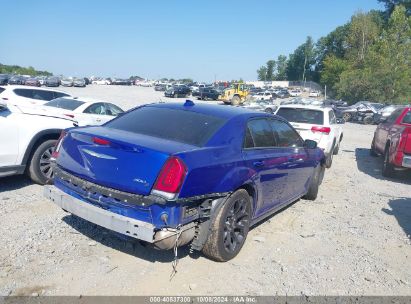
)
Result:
{"points": [[31, 88], [309, 107], [224, 111]]}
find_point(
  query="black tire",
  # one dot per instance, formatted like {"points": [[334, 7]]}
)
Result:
{"points": [[315, 183], [39, 169], [387, 168], [368, 120], [347, 116], [372, 149], [229, 228], [329, 159], [235, 101], [337, 149]]}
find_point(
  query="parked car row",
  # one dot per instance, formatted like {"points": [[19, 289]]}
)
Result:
{"points": [[38, 81]]}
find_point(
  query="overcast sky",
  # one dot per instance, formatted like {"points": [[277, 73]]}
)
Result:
{"points": [[174, 39]]}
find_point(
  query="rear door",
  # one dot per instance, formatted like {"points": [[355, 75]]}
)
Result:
{"points": [[9, 134], [382, 132], [95, 114], [265, 161]]}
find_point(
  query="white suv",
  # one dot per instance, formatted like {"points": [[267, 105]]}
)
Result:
{"points": [[317, 123], [26, 96], [27, 139]]}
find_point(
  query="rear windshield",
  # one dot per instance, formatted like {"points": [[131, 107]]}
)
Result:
{"points": [[302, 115], [64, 103], [176, 125]]}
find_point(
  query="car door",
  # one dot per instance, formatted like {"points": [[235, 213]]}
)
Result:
{"points": [[9, 137], [265, 161], [95, 114], [298, 164]]}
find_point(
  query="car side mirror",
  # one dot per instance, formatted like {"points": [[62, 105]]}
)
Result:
{"points": [[310, 144], [340, 121]]}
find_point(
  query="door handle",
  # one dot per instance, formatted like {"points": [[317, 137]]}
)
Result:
{"points": [[258, 164]]}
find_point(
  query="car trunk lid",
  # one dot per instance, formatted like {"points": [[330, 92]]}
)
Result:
{"points": [[117, 159]]}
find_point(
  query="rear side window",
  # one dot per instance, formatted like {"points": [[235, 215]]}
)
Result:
{"points": [[64, 103], [97, 108], [43, 95], [1, 90], [407, 118], [261, 134], [393, 117], [171, 124], [308, 116], [59, 94], [24, 93]]}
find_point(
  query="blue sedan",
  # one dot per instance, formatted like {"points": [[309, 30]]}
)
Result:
{"points": [[173, 173]]}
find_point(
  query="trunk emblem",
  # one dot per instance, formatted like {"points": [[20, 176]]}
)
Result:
{"points": [[98, 155]]}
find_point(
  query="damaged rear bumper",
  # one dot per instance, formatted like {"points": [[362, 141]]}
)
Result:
{"points": [[161, 238]]}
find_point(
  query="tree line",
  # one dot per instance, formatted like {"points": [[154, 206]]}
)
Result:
{"points": [[368, 58], [15, 69]]}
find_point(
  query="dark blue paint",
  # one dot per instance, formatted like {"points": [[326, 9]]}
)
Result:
{"points": [[132, 162]]}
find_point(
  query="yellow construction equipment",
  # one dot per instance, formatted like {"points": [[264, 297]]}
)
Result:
{"points": [[235, 94]]}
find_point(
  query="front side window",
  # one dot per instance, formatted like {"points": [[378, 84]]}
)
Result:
{"points": [[332, 118], [285, 135], [261, 134]]}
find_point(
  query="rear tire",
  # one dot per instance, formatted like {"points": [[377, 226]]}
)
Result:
{"points": [[372, 149], [40, 167], [387, 168], [315, 183], [329, 159], [368, 120], [229, 228]]}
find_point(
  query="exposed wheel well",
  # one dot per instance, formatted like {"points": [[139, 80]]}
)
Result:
{"points": [[341, 137], [251, 192]]}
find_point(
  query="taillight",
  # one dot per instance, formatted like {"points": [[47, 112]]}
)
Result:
{"points": [[57, 147], [101, 141], [171, 178], [325, 130]]}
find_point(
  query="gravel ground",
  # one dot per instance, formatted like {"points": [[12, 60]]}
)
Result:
{"points": [[353, 240]]}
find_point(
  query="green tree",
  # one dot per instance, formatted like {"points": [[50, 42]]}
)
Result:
{"points": [[281, 68], [301, 63], [270, 70], [391, 4], [262, 73]]}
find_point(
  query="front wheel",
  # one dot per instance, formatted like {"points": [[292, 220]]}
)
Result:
{"points": [[347, 116], [40, 170], [235, 101], [229, 228]]}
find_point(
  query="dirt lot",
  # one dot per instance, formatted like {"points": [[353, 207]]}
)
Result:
{"points": [[354, 239]]}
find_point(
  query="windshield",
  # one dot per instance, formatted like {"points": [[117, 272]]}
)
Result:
{"points": [[177, 125], [302, 115]]}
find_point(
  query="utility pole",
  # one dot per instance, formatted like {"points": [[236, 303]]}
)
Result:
{"points": [[325, 92]]}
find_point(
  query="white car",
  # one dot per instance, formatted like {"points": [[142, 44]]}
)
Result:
{"points": [[314, 94], [28, 96], [27, 140], [85, 111], [295, 93], [101, 82], [263, 96], [317, 123]]}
